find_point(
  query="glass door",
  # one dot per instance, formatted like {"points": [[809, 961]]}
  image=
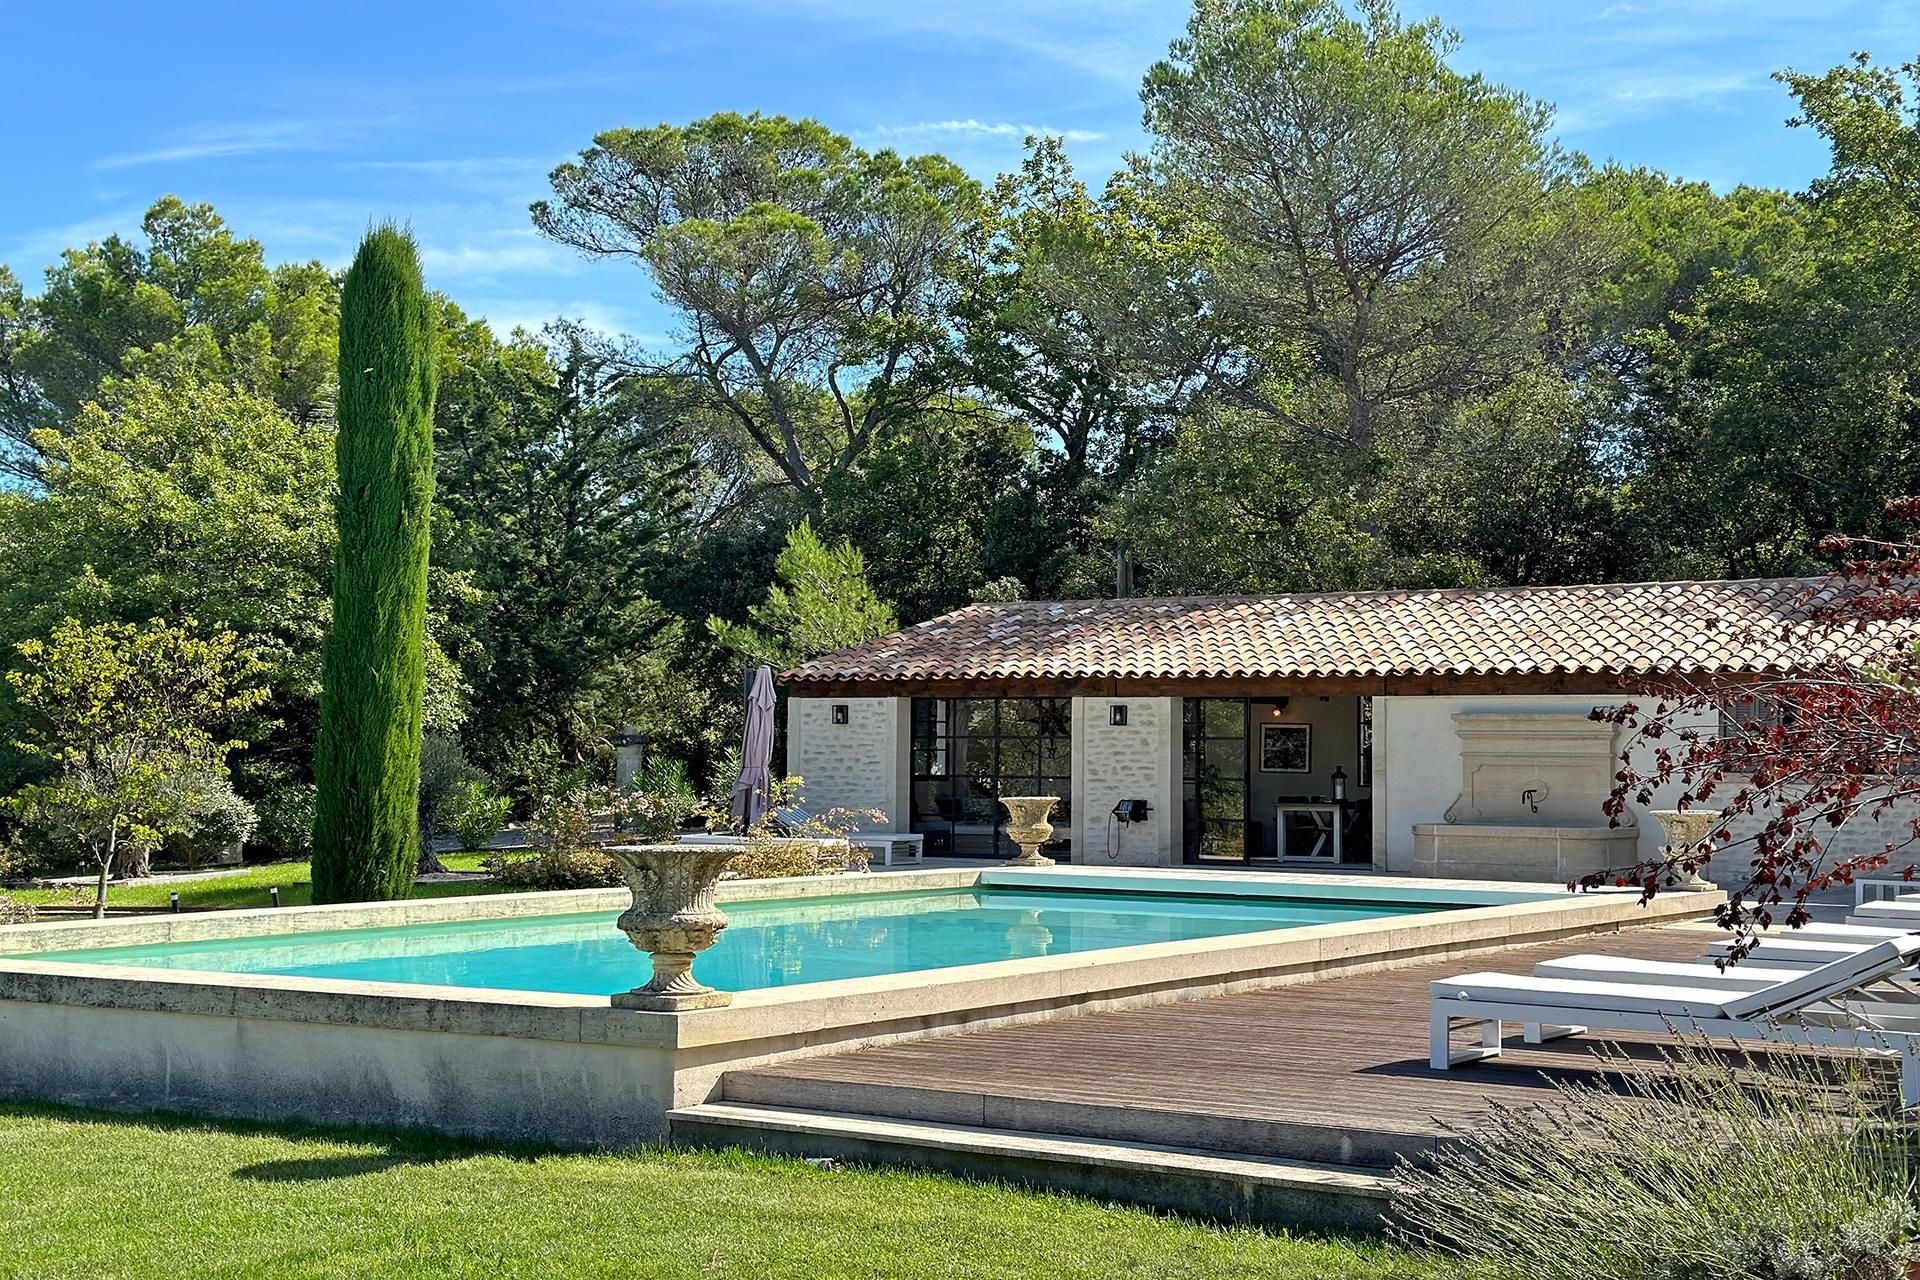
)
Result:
{"points": [[1214, 782], [968, 752]]}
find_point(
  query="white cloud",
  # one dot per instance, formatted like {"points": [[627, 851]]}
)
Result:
{"points": [[216, 141], [980, 129], [490, 255], [38, 249]]}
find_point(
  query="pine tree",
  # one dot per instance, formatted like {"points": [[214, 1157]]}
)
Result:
{"points": [[820, 601], [367, 763]]}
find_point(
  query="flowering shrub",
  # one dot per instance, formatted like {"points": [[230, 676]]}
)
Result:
{"points": [[789, 841], [569, 829]]}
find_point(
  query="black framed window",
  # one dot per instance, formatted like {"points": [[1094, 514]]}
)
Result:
{"points": [[968, 752], [1213, 734]]}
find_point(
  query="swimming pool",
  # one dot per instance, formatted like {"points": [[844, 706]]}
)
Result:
{"points": [[776, 943]]}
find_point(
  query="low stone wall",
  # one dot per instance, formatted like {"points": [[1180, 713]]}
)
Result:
{"points": [[572, 1070]]}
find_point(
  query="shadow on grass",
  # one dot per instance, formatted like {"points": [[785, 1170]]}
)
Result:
{"points": [[323, 1169], [396, 1147]]}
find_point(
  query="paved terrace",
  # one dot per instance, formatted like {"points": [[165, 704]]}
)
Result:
{"points": [[1331, 1071]]}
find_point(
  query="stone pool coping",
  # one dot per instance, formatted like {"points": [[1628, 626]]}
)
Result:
{"points": [[476, 1040]]}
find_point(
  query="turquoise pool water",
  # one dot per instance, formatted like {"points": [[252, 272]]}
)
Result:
{"points": [[768, 944]]}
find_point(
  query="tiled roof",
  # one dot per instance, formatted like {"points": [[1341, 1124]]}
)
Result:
{"points": [[1616, 629]]}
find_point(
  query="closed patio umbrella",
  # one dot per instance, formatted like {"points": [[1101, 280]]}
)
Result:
{"points": [[754, 789]]}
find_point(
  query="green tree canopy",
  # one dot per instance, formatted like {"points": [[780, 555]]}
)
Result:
{"points": [[1389, 225], [819, 602], [810, 276], [118, 712]]}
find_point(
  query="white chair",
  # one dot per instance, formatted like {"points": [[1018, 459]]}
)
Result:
{"points": [[1841, 1004]]}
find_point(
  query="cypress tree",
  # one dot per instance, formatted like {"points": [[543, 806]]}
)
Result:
{"points": [[367, 761]]}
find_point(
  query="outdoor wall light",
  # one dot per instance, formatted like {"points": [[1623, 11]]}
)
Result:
{"points": [[1117, 713], [839, 713]]}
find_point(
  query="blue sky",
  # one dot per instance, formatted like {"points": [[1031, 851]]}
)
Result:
{"points": [[301, 122]]}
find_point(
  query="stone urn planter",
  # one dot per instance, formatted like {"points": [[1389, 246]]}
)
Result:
{"points": [[1027, 826], [673, 918], [1687, 829]]}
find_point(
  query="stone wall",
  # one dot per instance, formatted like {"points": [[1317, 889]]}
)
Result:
{"points": [[1139, 760], [861, 764]]}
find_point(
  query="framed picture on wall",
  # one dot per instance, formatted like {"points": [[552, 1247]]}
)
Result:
{"points": [[1286, 748]]}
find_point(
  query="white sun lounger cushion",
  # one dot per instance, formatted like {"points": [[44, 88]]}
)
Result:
{"points": [[1670, 973], [1573, 995], [1793, 951], [1899, 911]]}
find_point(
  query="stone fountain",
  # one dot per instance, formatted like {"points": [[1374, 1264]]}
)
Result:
{"points": [[1688, 829], [673, 918], [1028, 827]]}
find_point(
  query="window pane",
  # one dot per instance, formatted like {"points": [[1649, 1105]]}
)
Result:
{"points": [[1056, 717], [1225, 758], [1223, 798], [1062, 787], [1225, 718], [980, 758], [1019, 758], [1056, 756], [1019, 717], [1223, 842], [977, 715]]}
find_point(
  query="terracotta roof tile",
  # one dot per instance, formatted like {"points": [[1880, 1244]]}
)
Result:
{"points": [[1702, 628]]}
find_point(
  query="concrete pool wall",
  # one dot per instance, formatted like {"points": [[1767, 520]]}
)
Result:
{"points": [[572, 1070]]}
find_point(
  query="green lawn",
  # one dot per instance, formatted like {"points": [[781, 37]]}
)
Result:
{"points": [[88, 1195], [249, 889]]}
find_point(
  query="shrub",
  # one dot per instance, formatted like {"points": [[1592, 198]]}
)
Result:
{"points": [[205, 817], [1697, 1167], [13, 866], [285, 829], [582, 868], [784, 844], [444, 769], [475, 813], [564, 830]]}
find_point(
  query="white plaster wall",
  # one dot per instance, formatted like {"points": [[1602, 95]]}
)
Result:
{"points": [[862, 764], [1137, 760], [1416, 755]]}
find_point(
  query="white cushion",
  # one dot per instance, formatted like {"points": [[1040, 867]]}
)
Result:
{"points": [[1899, 911], [1598, 968], [1573, 996]]}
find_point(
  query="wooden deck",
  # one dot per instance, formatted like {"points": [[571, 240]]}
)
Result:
{"points": [[1333, 1070]]}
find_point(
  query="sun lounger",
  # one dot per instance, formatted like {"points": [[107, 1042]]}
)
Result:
{"points": [[1841, 1004]]}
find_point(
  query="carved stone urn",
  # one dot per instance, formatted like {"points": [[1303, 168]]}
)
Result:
{"points": [[673, 918], [1688, 829], [1028, 827]]}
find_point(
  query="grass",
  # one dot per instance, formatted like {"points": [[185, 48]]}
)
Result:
{"points": [[251, 888], [84, 1194]]}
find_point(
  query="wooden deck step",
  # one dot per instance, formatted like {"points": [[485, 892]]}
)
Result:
{"points": [[1336, 1140], [1211, 1184]]}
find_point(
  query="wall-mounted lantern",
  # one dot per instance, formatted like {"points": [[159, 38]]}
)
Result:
{"points": [[839, 713], [1117, 713]]}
